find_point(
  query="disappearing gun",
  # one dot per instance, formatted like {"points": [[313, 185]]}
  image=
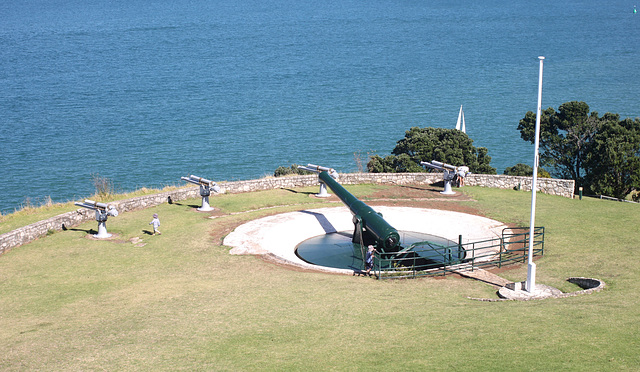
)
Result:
{"points": [[369, 226]]}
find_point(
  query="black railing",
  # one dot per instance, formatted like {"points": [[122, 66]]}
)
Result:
{"points": [[428, 259]]}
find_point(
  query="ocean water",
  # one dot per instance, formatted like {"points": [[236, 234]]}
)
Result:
{"points": [[143, 92]]}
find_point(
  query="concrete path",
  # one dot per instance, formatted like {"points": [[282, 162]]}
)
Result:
{"points": [[484, 276]]}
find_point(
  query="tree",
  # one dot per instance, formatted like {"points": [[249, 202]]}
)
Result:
{"points": [[599, 153], [426, 144], [526, 170], [292, 170], [613, 167], [564, 137]]}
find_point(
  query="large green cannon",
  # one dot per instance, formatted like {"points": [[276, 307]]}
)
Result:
{"points": [[369, 226]]}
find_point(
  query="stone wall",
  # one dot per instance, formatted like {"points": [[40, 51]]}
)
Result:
{"points": [[67, 220], [550, 186]]}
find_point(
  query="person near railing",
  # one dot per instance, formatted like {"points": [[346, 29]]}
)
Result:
{"points": [[368, 263]]}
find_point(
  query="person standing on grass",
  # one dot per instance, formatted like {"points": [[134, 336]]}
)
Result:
{"points": [[368, 263], [156, 223]]}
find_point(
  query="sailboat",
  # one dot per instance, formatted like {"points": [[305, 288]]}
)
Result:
{"points": [[461, 118]]}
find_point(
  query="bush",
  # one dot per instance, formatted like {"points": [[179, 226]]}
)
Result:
{"points": [[521, 169], [293, 170], [426, 144]]}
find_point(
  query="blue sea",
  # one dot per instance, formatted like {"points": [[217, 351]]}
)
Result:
{"points": [[143, 92]]}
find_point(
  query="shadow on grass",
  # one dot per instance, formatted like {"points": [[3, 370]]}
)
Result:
{"points": [[90, 231], [301, 192], [187, 205], [417, 187]]}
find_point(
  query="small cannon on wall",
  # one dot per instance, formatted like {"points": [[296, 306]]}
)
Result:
{"points": [[206, 186], [317, 169], [451, 173], [103, 211], [369, 226]]}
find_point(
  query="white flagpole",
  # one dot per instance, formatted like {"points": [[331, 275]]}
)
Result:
{"points": [[531, 269]]}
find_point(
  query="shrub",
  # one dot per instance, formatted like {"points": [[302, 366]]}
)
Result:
{"points": [[103, 185], [521, 169], [293, 170]]}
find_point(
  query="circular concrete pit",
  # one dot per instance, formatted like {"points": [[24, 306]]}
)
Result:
{"points": [[280, 235]]}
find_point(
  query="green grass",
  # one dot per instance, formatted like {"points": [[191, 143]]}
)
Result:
{"points": [[181, 302]]}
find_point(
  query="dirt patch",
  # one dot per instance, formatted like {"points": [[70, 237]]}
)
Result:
{"points": [[417, 196], [423, 196]]}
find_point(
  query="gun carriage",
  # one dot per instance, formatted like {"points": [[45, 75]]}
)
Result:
{"points": [[451, 173], [206, 186], [103, 211]]}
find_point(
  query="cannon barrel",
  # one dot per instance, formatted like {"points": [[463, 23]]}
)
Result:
{"points": [[318, 168], [202, 182], [83, 205], [432, 166], [189, 180], [439, 165], [199, 180], [90, 204], [315, 168], [387, 237], [443, 165]]}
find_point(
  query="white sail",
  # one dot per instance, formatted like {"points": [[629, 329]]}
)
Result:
{"points": [[464, 125], [461, 120]]}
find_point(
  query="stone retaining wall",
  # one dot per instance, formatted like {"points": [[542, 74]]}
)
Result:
{"points": [[67, 220], [550, 186]]}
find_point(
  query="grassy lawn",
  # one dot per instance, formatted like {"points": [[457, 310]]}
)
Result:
{"points": [[181, 302], [29, 214]]}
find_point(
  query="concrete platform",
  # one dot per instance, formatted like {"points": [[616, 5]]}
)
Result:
{"points": [[514, 291], [278, 236], [518, 293]]}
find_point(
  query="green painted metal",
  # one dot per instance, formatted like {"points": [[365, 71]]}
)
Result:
{"points": [[512, 246], [367, 221]]}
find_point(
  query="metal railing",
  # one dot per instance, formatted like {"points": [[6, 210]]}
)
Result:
{"points": [[429, 259]]}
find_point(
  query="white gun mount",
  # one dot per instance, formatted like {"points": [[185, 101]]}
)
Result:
{"points": [[206, 186], [450, 173], [103, 211], [317, 169]]}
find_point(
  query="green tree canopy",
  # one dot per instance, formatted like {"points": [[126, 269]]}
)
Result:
{"points": [[564, 137], [599, 153], [292, 170], [426, 144], [613, 165]]}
